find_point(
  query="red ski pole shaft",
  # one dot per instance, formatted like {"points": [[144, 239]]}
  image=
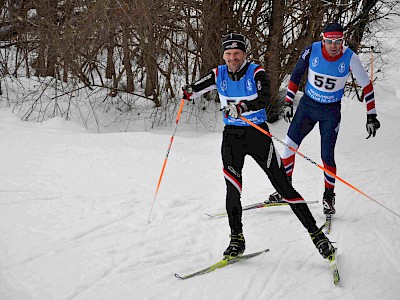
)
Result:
{"points": [[314, 163], [178, 116]]}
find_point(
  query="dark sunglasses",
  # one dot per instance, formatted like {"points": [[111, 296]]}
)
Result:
{"points": [[332, 41]]}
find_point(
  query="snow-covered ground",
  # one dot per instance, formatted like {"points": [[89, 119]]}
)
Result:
{"points": [[74, 207]]}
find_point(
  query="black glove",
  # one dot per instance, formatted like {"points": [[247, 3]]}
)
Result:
{"points": [[372, 125], [288, 111], [235, 110], [187, 91]]}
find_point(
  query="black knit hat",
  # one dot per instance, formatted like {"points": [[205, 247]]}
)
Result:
{"points": [[233, 41], [333, 30]]}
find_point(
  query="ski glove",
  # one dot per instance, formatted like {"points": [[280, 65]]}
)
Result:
{"points": [[235, 110], [288, 111], [372, 125], [187, 91]]}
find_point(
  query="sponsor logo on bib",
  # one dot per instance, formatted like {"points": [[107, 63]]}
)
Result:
{"points": [[223, 85], [342, 67], [315, 62]]}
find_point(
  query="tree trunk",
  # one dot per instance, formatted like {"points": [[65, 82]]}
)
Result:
{"points": [[110, 67], [127, 58], [310, 31], [150, 62], [275, 42], [213, 25], [356, 28]]}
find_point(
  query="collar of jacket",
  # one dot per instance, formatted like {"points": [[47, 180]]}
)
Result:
{"points": [[326, 55], [236, 76]]}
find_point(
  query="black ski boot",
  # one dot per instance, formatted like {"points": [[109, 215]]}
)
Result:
{"points": [[276, 197], [328, 202], [236, 246], [322, 243]]}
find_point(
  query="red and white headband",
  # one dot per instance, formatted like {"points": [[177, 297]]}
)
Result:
{"points": [[333, 35]]}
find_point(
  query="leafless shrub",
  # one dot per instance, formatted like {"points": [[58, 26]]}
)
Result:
{"points": [[129, 50]]}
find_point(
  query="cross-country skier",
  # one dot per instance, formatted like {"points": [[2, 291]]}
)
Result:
{"points": [[328, 63], [244, 90]]}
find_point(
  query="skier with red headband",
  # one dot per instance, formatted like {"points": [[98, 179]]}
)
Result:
{"points": [[328, 63]]}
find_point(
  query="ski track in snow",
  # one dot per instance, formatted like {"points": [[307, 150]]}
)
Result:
{"points": [[99, 239], [74, 207], [74, 217]]}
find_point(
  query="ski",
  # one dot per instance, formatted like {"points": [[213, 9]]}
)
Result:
{"points": [[222, 263], [334, 268], [328, 224], [257, 205]]}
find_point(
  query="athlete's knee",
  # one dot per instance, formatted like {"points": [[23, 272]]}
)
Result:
{"points": [[287, 152]]}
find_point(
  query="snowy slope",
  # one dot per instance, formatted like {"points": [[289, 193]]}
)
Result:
{"points": [[74, 208]]}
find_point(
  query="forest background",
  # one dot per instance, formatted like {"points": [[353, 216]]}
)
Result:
{"points": [[130, 57]]}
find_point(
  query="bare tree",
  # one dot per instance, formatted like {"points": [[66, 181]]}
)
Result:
{"points": [[150, 48]]}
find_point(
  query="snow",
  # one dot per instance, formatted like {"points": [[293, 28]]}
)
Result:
{"points": [[74, 206]]}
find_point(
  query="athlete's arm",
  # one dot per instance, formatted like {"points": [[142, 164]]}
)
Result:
{"points": [[298, 72], [363, 80], [263, 90], [203, 85]]}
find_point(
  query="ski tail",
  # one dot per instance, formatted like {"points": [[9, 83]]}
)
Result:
{"points": [[334, 267], [328, 224]]}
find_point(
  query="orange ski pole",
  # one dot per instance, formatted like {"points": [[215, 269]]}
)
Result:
{"points": [[167, 154], [314, 163]]}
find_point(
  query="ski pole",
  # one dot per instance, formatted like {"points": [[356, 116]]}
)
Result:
{"points": [[166, 155], [372, 64], [314, 163]]}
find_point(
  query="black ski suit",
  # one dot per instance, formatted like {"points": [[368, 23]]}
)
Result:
{"points": [[239, 141]]}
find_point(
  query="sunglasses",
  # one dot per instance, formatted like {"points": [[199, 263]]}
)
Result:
{"points": [[332, 41]]}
